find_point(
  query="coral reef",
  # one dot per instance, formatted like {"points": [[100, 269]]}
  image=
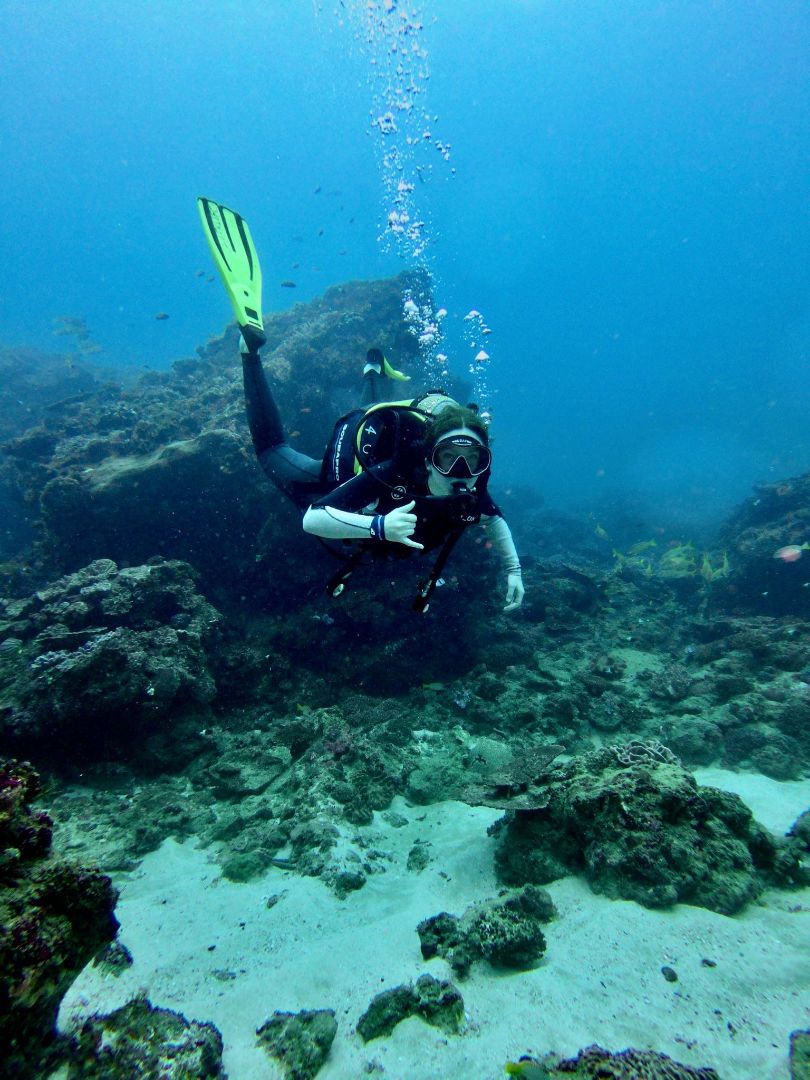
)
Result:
{"points": [[435, 1001], [638, 826], [507, 933], [53, 918], [776, 517], [165, 466], [594, 1063], [104, 654], [32, 383], [144, 1041], [299, 1041]]}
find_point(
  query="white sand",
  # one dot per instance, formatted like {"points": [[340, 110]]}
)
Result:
{"points": [[600, 981]]}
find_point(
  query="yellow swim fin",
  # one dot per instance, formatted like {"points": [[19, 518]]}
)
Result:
{"points": [[236, 259]]}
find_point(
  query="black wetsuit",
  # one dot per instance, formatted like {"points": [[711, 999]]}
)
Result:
{"points": [[378, 489]]}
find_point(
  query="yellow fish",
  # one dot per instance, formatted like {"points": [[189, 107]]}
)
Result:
{"points": [[527, 1069], [642, 545]]}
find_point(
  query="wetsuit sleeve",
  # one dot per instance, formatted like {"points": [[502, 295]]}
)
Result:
{"points": [[362, 490], [501, 536], [336, 515]]}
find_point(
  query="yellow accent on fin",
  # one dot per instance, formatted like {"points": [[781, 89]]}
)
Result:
{"points": [[392, 373]]}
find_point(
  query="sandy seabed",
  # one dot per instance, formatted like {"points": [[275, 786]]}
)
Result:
{"points": [[214, 951]]}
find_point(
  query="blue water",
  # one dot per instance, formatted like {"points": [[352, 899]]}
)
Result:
{"points": [[628, 209]]}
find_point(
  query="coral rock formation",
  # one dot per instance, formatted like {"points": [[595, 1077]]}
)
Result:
{"points": [[53, 918]]}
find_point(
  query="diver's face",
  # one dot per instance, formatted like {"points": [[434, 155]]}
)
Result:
{"points": [[446, 485], [456, 460]]}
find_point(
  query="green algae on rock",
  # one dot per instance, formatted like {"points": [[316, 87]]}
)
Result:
{"points": [[300, 1041], [638, 826], [142, 1040], [435, 1001], [504, 932], [107, 654], [54, 917], [594, 1063], [800, 1055]]}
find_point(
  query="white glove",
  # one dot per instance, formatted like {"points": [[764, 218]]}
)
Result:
{"points": [[399, 525], [514, 591]]}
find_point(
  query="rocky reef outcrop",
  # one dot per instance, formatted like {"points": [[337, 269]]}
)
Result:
{"points": [[32, 382], [142, 1040], [506, 933], [104, 655], [54, 917], [596, 1063], [300, 1042], [767, 540], [436, 1001], [638, 826], [165, 467]]}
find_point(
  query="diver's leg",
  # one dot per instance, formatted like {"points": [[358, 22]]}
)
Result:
{"points": [[373, 379], [264, 419], [296, 474]]}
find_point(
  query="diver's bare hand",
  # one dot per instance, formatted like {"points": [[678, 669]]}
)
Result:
{"points": [[400, 524]]}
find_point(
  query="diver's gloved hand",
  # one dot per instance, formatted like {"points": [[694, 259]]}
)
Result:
{"points": [[399, 525], [514, 591]]}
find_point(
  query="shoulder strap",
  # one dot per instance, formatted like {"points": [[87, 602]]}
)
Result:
{"points": [[421, 601]]}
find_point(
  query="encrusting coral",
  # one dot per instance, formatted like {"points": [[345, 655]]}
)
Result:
{"points": [[54, 917]]}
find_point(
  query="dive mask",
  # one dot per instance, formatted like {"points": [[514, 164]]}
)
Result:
{"points": [[460, 456]]}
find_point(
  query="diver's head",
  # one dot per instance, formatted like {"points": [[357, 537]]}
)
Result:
{"points": [[457, 450]]}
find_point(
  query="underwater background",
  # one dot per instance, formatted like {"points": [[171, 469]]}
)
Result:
{"points": [[247, 830], [627, 207]]}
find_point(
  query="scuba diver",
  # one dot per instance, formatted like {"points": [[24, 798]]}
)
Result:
{"points": [[397, 477]]}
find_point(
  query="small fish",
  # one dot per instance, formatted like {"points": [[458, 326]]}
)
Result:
{"points": [[210, 277], [288, 284], [320, 232], [791, 552], [294, 434], [641, 546], [295, 266], [200, 273], [601, 532], [435, 687], [527, 1069], [161, 315], [305, 409], [317, 190]]}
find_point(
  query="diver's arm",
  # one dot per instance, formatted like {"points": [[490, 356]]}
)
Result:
{"points": [[333, 524], [336, 516], [501, 535], [397, 526]]}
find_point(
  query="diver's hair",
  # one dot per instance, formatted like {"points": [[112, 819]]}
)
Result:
{"points": [[453, 416]]}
